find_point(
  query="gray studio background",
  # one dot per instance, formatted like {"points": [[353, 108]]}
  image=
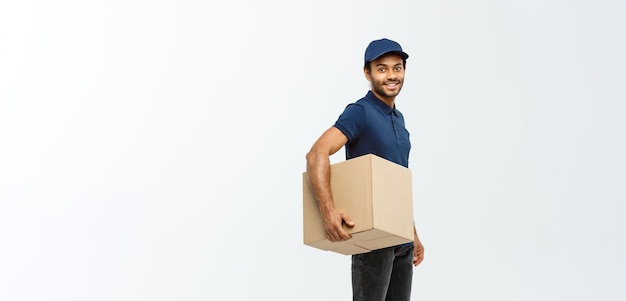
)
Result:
{"points": [[153, 150]]}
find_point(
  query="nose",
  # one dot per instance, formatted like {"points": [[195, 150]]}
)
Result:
{"points": [[392, 74]]}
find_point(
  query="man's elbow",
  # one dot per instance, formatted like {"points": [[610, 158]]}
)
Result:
{"points": [[311, 156]]}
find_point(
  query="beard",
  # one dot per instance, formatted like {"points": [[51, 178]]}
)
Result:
{"points": [[380, 89]]}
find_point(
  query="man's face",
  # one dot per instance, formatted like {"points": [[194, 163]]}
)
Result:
{"points": [[386, 76]]}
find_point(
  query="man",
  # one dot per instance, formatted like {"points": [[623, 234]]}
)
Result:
{"points": [[371, 125]]}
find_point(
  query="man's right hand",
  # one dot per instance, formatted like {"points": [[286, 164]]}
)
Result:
{"points": [[333, 225]]}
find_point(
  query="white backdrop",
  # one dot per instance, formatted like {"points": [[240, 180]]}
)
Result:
{"points": [[152, 150]]}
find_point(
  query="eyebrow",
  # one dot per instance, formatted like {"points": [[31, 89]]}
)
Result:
{"points": [[385, 65]]}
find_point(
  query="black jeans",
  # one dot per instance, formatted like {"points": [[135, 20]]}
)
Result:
{"points": [[384, 274]]}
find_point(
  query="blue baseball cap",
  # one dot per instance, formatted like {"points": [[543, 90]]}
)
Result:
{"points": [[377, 48]]}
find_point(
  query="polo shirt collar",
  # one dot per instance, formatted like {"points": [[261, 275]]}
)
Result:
{"points": [[383, 107]]}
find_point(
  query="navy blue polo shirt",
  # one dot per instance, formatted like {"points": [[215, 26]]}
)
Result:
{"points": [[372, 127]]}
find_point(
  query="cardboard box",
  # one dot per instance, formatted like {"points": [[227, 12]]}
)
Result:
{"points": [[376, 194]]}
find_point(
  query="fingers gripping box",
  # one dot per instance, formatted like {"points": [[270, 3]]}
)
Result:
{"points": [[375, 193]]}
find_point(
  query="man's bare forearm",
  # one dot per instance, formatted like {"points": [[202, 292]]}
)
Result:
{"points": [[318, 169]]}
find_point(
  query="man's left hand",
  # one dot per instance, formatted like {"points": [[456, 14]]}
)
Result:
{"points": [[418, 251]]}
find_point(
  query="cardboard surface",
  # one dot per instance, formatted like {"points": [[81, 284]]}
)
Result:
{"points": [[376, 194]]}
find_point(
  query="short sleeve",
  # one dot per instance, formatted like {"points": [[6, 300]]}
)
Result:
{"points": [[352, 121]]}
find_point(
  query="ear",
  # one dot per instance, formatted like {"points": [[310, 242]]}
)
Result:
{"points": [[368, 76]]}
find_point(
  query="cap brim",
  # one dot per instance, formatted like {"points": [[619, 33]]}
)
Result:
{"points": [[402, 54]]}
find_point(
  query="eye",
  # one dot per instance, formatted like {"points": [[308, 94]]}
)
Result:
{"points": [[398, 68], [381, 70]]}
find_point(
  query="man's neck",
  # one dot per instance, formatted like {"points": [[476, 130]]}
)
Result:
{"points": [[389, 101]]}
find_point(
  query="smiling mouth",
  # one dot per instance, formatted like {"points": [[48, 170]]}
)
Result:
{"points": [[392, 85]]}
